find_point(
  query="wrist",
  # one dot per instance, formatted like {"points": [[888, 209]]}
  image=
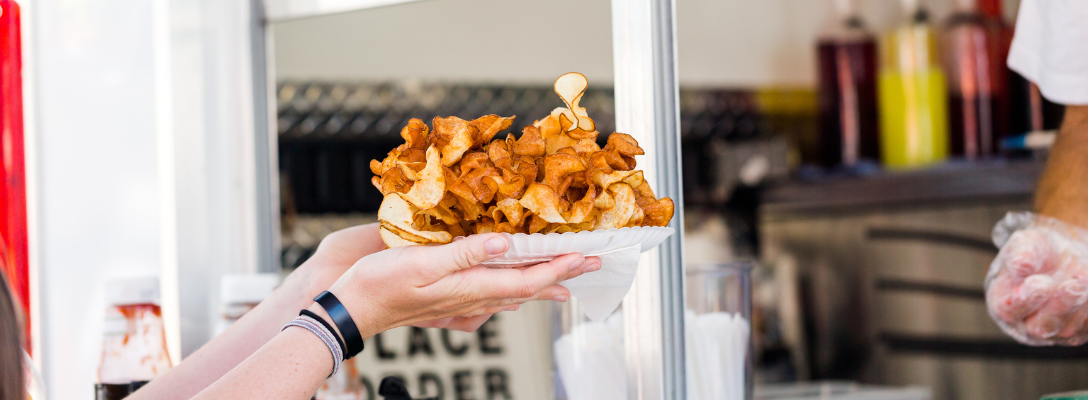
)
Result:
{"points": [[310, 279], [368, 322]]}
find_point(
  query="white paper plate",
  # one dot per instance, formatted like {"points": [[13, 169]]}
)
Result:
{"points": [[531, 249]]}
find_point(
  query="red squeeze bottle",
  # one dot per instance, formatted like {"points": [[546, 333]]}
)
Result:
{"points": [[846, 51], [13, 233], [976, 44]]}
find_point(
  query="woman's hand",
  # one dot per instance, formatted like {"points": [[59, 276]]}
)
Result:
{"points": [[435, 285], [337, 252]]}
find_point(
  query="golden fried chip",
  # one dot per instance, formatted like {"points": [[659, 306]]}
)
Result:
{"points": [[399, 214], [554, 136], [498, 152], [393, 182], [609, 160], [604, 179], [659, 213], [415, 134], [536, 224], [453, 179], [618, 215], [489, 125], [530, 144], [586, 146], [510, 210], [392, 240], [623, 144], [441, 213], [430, 185], [544, 202], [485, 225], [459, 136], [604, 201], [471, 208], [583, 209], [559, 166]]}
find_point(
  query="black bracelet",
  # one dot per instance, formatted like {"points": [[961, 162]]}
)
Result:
{"points": [[343, 322], [311, 314]]}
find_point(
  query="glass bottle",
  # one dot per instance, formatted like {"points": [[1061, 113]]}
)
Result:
{"points": [[847, 72], [912, 94], [240, 294], [133, 338], [975, 46]]}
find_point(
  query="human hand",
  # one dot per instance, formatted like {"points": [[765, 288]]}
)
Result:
{"points": [[1039, 293], [444, 285], [334, 255]]}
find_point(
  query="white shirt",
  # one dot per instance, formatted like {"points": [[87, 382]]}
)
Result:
{"points": [[1050, 48]]}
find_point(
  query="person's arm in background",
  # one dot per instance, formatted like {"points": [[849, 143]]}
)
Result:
{"points": [[1063, 188], [1037, 290]]}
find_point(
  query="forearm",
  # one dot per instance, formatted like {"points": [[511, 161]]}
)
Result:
{"points": [[290, 366], [1063, 188], [242, 339]]}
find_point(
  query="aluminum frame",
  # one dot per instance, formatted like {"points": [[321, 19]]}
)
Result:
{"points": [[647, 107], [267, 153], [279, 10], [646, 92]]}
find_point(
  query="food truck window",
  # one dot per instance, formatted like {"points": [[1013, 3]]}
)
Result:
{"points": [[346, 83]]}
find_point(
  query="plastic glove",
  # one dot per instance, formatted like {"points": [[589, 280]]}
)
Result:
{"points": [[1037, 287]]}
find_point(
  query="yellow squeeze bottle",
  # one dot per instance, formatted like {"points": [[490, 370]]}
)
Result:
{"points": [[912, 95]]}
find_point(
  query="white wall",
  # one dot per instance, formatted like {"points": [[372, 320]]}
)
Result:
{"points": [[721, 42], [98, 176], [144, 164], [213, 150]]}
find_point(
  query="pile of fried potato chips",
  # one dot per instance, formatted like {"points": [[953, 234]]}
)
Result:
{"points": [[452, 179]]}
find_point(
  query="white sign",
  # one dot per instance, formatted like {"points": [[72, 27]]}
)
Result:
{"points": [[508, 358]]}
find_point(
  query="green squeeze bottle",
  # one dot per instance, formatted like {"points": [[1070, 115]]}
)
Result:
{"points": [[912, 94]]}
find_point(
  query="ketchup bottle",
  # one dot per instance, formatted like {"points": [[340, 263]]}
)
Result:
{"points": [[13, 188]]}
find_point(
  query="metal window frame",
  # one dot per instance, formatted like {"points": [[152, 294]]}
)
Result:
{"points": [[647, 107], [646, 92]]}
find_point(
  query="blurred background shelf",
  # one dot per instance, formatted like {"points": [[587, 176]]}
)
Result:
{"points": [[951, 182]]}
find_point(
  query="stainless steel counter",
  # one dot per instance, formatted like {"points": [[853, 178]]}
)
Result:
{"points": [[889, 273]]}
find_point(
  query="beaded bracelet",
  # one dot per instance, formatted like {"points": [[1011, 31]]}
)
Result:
{"points": [[326, 336]]}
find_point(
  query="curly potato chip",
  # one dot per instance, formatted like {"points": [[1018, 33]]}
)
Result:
{"points": [[458, 136], [604, 201], [454, 178], [624, 208], [430, 185], [392, 239], [415, 134], [604, 179], [583, 209], [623, 144], [586, 146], [658, 213], [544, 202], [511, 210], [559, 166], [393, 182], [489, 125], [398, 215], [554, 136], [531, 144]]}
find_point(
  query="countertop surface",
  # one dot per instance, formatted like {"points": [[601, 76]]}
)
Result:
{"points": [[951, 182]]}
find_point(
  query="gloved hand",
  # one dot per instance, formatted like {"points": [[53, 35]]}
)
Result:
{"points": [[1037, 287]]}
